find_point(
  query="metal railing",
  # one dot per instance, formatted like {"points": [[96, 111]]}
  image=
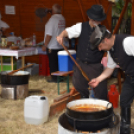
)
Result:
{"points": [[127, 28]]}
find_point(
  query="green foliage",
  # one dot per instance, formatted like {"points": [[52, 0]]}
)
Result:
{"points": [[117, 8], [129, 10]]}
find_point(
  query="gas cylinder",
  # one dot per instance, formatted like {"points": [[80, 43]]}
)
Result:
{"points": [[113, 95]]}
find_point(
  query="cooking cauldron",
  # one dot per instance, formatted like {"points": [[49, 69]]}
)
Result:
{"points": [[92, 121], [65, 128], [19, 78]]}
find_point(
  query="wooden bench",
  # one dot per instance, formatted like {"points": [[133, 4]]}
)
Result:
{"points": [[61, 75]]}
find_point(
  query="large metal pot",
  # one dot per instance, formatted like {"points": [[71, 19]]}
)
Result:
{"points": [[65, 128], [89, 120], [18, 78]]}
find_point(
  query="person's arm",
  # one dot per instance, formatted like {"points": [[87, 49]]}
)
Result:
{"points": [[105, 74], [70, 32], [3, 29], [128, 45], [47, 40], [61, 36]]}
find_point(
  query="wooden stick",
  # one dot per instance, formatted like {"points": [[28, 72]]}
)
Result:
{"points": [[1, 63], [12, 62], [12, 72], [67, 95], [83, 73]]}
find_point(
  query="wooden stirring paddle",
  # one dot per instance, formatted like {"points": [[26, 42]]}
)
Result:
{"points": [[12, 72], [83, 73]]}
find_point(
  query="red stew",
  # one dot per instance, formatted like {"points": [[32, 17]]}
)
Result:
{"points": [[88, 108]]}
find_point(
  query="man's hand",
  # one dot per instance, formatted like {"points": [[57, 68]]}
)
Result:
{"points": [[61, 36], [47, 40], [43, 48], [94, 82], [60, 40], [105, 74]]}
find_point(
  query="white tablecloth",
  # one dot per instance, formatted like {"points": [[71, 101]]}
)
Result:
{"points": [[40, 51], [19, 53]]}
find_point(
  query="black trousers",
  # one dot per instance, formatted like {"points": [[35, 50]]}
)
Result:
{"points": [[53, 59], [81, 84], [127, 93]]}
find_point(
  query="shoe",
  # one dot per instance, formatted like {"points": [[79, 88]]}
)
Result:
{"points": [[125, 120], [52, 81]]}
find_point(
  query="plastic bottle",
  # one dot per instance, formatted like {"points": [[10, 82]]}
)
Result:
{"points": [[113, 95], [6, 40], [12, 38], [12, 33], [18, 41], [34, 40]]}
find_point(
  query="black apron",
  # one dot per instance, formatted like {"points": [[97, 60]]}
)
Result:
{"points": [[92, 71]]}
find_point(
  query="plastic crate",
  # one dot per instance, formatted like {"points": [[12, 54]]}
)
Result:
{"points": [[44, 65], [33, 70]]}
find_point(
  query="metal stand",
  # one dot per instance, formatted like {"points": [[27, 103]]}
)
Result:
{"points": [[63, 78]]}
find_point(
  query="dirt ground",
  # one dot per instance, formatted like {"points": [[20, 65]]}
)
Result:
{"points": [[12, 111]]}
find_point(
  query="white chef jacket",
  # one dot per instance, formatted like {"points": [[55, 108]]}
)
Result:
{"points": [[128, 43], [54, 26]]}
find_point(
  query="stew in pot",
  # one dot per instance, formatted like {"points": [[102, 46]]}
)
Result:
{"points": [[88, 107]]}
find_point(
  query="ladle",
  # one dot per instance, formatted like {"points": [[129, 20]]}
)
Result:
{"points": [[12, 72]]}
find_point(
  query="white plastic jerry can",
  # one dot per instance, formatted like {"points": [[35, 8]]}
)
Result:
{"points": [[36, 110]]}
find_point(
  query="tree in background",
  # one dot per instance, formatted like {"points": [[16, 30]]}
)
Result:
{"points": [[117, 8]]}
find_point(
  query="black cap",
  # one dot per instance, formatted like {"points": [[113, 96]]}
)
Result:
{"points": [[97, 36]]}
